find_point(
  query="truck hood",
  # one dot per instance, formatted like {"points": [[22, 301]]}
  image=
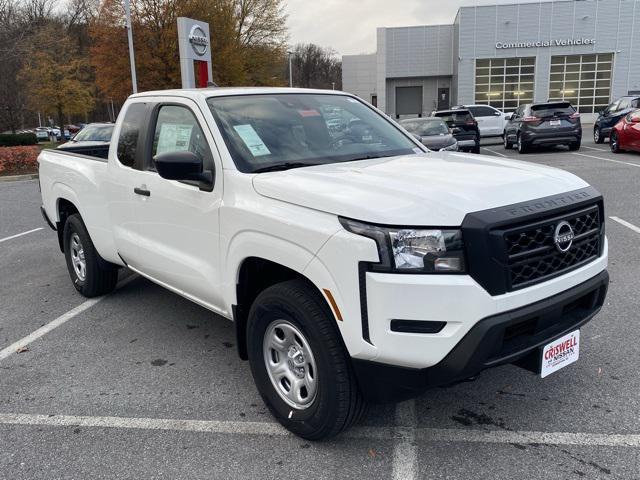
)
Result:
{"points": [[436, 189]]}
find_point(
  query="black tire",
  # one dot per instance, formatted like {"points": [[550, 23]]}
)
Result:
{"points": [[574, 146], [338, 403], [476, 149], [614, 143], [507, 143], [522, 146], [597, 135], [100, 277]]}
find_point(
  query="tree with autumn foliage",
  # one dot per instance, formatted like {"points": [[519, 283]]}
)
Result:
{"points": [[248, 42], [56, 79]]}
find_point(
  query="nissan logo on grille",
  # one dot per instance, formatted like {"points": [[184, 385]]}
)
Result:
{"points": [[563, 237]]}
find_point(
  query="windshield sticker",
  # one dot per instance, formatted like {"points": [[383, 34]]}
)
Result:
{"points": [[252, 140], [309, 113], [174, 138]]}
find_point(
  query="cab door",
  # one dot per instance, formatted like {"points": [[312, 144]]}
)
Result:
{"points": [[121, 180], [178, 222]]}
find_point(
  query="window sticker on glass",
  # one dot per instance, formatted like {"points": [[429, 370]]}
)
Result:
{"points": [[309, 113], [252, 140], [174, 138]]}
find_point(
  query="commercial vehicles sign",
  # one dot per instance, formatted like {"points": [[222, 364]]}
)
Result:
{"points": [[547, 43]]}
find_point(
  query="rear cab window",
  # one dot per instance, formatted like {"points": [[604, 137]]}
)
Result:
{"points": [[129, 135]]}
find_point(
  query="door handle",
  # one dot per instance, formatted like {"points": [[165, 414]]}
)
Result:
{"points": [[142, 191]]}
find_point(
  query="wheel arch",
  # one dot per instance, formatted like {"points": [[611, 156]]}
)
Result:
{"points": [[254, 275]]}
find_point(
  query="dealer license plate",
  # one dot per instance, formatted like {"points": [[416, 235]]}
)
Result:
{"points": [[555, 123], [560, 353]]}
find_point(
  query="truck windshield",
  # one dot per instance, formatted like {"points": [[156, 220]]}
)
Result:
{"points": [[268, 132]]}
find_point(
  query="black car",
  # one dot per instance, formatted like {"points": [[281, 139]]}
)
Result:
{"points": [[611, 115], [464, 128], [432, 132], [543, 125]]}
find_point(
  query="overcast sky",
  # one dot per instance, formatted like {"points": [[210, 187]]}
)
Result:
{"points": [[349, 26]]}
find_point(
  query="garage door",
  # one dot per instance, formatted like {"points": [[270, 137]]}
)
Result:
{"points": [[408, 100]]}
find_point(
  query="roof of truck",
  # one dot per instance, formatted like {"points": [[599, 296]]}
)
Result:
{"points": [[226, 91]]}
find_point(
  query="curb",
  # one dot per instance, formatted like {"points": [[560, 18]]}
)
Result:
{"points": [[17, 178]]}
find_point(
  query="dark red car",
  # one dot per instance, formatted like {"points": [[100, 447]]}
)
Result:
{"points": [[626, 134]]}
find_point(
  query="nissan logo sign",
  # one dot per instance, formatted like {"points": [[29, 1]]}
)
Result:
{"points": [[198, 40], [563, 237]]}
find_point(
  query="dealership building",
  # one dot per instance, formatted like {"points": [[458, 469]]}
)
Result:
{"points": [[583, 51]]}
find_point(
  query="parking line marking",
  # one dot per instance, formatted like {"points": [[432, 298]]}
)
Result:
{"points": [[20, 234], [606, 159], [405, 455], [626, 224], [594, 148], [497, 153], [61, 320], [457, 435]]}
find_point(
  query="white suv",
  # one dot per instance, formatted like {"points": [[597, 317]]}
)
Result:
{"points": [[491, 121]]}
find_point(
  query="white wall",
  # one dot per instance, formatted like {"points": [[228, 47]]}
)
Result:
{"points": [[359, 75]]}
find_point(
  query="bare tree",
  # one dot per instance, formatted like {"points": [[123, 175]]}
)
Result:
{"points": [[316, 67]]}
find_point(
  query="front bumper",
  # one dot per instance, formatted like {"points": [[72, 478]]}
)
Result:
{"points": [[512, 336]]}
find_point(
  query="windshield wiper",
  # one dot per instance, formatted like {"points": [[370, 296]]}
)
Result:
{"points": [[278, 167]]}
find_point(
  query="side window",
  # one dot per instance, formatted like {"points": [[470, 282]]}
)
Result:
{"points": [[482, 111], [178, 130], [635, 103], [624, 104], [129, 133], [613, 107]]}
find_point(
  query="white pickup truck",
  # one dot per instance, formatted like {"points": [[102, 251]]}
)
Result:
{"points": [[356, 265]]}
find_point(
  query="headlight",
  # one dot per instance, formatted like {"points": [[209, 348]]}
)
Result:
{"points": [[413, 250], [450, 148]]}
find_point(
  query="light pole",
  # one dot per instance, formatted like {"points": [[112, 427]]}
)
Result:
{"points": [[290, 70], [132, 58], [333, 85]]}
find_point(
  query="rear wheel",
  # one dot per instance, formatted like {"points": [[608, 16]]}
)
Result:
{"points": [[91, 275], [597, 135], [299, 364], [522, 145], [574, 146], [614, 142]]}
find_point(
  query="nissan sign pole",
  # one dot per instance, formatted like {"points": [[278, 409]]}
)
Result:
{"points": [[132, 58]]}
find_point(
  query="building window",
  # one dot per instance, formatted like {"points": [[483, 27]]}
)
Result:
{"points": [[583, 80], [505, 83]]}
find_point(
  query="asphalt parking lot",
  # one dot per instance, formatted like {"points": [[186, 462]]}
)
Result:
{"points": [[144, 384]]}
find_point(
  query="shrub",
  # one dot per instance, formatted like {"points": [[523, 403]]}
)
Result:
{"points": [[18, 160], [17, 139]]}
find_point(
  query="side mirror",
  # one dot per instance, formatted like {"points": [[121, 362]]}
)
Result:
{"points": [[635, 119], [508, 116], [183, 165]]}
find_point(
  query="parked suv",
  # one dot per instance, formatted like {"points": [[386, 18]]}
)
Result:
{"points": [[491, 121], [611, 115], [432, 132], [543, 124], [464, 127]]}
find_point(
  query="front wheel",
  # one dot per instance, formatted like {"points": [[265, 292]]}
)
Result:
{"points": [[507, 143], [90, 275], [522, 146], [299, 364], [597, 135], [614, 143]]}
